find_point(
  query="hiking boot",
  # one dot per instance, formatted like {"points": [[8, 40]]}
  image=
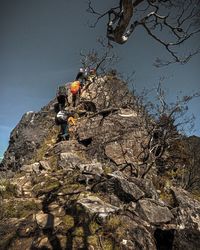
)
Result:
{"points": [[65, 137]]}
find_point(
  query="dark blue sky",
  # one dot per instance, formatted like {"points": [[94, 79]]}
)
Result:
{"points": [[39, 49]]}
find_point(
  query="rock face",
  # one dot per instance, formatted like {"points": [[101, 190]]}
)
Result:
{"points": [[28, 136], [80, 194]]}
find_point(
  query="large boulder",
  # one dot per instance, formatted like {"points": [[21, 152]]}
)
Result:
{"points": [[187, 209], [118, 185], [107, 92], [69, 161], [95, 206], [153, 212], [146, 186], [125, 190]]}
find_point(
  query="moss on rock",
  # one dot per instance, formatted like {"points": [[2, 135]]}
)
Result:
{"points": [[17, 209], [47, 186]]}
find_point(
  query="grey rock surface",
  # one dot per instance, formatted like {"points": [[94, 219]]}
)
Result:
{"points": [[154, 212]]}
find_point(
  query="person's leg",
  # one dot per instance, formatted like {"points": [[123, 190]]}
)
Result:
{"points": [[78, 97], [64, 131], [73, 100], [61, 100]]}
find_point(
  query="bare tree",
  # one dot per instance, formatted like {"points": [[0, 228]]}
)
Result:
{"points": [[169, 22], [188, 176], [165, 124], [102, 60], [162, 122]]}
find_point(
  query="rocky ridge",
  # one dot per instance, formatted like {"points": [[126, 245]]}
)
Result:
{"points": [[80, 194]]}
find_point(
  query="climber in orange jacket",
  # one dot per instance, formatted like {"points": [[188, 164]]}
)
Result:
{"points": [[75, 89]]}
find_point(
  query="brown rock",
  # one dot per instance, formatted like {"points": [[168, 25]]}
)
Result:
{"points": [[46, 221]]}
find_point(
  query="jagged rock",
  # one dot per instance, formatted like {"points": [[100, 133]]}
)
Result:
{"points": [[45, 165], [121, 143], [114, 152], [141, 238], [90, 172], [95, 206], [186, 239], [28, 136], [124, 151], [35, 167], [146, 186], [135, 235], [154, 212], [67, 146], [125, 190], [69, 161], [187, 209], [107, 92], [76, 185], [88, 128], [92, 168], [118, 185]]}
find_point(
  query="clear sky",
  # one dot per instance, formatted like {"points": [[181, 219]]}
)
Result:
{"points": [[39, 49]]}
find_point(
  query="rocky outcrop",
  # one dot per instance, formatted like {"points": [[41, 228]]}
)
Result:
{"points": [[29, 136], [78, 194]]}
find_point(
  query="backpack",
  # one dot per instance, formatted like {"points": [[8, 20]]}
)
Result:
{"points": [[75, 87], [62, 91], [61, 116]]}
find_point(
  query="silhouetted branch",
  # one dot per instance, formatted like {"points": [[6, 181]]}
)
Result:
{"points": [[169, 22]]}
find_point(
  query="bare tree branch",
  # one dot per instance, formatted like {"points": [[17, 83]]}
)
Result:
{"points": [[178, 20]]}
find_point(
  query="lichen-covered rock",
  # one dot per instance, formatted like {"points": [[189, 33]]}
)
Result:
{"points": [[187, 209], [91, 168], [30, 168], [69, 161], [124, 151], [90, 172], [44, 165], [117, 184], [154, 212], [146, 186], [107, 92], [187, 238], [125, 190], [95, 206]]}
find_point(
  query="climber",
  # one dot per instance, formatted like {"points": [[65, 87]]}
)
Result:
{"points": [[62, 96], [75, 89], [62, 120], [86, 74], [82, 76]]}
